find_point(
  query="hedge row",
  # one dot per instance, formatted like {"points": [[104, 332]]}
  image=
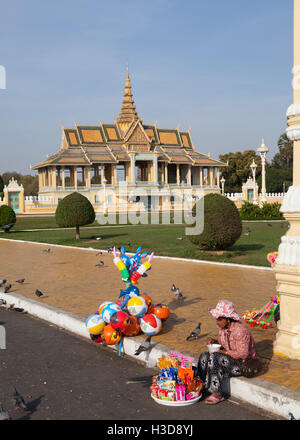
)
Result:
{"points": [[268, 211]]}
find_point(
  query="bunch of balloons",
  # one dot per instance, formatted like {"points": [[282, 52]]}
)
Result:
{"points": [[132, 312]]}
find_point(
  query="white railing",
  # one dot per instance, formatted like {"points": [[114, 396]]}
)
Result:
{"points": [[241, 195], [39, 199]]}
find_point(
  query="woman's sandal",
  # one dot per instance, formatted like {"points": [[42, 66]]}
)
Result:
{"points": [[212, 400]]}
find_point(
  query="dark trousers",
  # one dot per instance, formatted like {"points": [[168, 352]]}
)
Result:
{"points": [[212, 368]]}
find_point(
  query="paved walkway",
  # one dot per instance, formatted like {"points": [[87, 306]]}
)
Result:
{"points": [[70, 280]]}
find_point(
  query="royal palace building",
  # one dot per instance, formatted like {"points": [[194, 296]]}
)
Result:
{"points": [[141, 159]]}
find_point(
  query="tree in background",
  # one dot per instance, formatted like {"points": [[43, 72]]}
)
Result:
{"points": [[238, 169], [31, 185], [74, 210], [29, 182], [9, 174], [283, 159]]}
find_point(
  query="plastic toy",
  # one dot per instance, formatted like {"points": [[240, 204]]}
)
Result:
{"points": [[95, 324], [161, 311], [148, 302], [137, 306], [120, 321], [150, 324], [255, 317], [111, 336], [109, 310]]}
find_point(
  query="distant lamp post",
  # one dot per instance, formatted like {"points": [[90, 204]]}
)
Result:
{"points": [[263, 150], [222, 183], [253, 167]]}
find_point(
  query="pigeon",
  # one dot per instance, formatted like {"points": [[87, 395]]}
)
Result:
{"points": [[38, 293], [47, 250], [19, 401], [173, 288], [21, 281], [98, 238], [292, 417], [109, 249], [2, 302], [179, 238], [100, 264], [2, 282], [247, 234], [145, 346], [195, 333], [178, 294], [7, 288], [99, 253], [4, 415], [269, 224]]}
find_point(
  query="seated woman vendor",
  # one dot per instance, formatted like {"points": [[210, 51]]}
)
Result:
{"points": [[237, 344]]}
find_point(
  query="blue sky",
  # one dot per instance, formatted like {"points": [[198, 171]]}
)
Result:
{"points": [[222, 68]]}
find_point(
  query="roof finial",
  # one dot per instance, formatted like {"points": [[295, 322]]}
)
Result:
{"points": [[128, 112]]}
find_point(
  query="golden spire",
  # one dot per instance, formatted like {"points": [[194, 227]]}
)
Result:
{"points": [[128, 112]]}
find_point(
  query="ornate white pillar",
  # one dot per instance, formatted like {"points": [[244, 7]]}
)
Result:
{"points": [[166, 173], [287, 267], [132, 168], [63, 183], [75, 178], [177, 174], [155, 170]]}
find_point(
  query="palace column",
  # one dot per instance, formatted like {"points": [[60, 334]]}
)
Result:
{"points": [[287, 267], [177, 174], [132, 169], [54, 182], [155, 170], [189, 175], [115, 174], [211, 176], [201, 177], [63, 182], [218, 177], [166, 173], [88, 177], [40, 174], [102, 173]]}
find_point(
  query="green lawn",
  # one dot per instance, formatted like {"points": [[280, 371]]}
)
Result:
{"points": [[162, 239], [49, 222]]}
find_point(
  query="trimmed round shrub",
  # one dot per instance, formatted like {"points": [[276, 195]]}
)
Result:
{"points": [[222, 224], [7, 217], [74, 210]]}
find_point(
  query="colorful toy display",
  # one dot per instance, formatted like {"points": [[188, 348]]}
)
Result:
{"points": [[133, 312], [176, 382], [262, 317]]}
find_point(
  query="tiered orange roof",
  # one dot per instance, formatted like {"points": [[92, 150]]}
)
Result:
{"points": [[111, 143]]}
